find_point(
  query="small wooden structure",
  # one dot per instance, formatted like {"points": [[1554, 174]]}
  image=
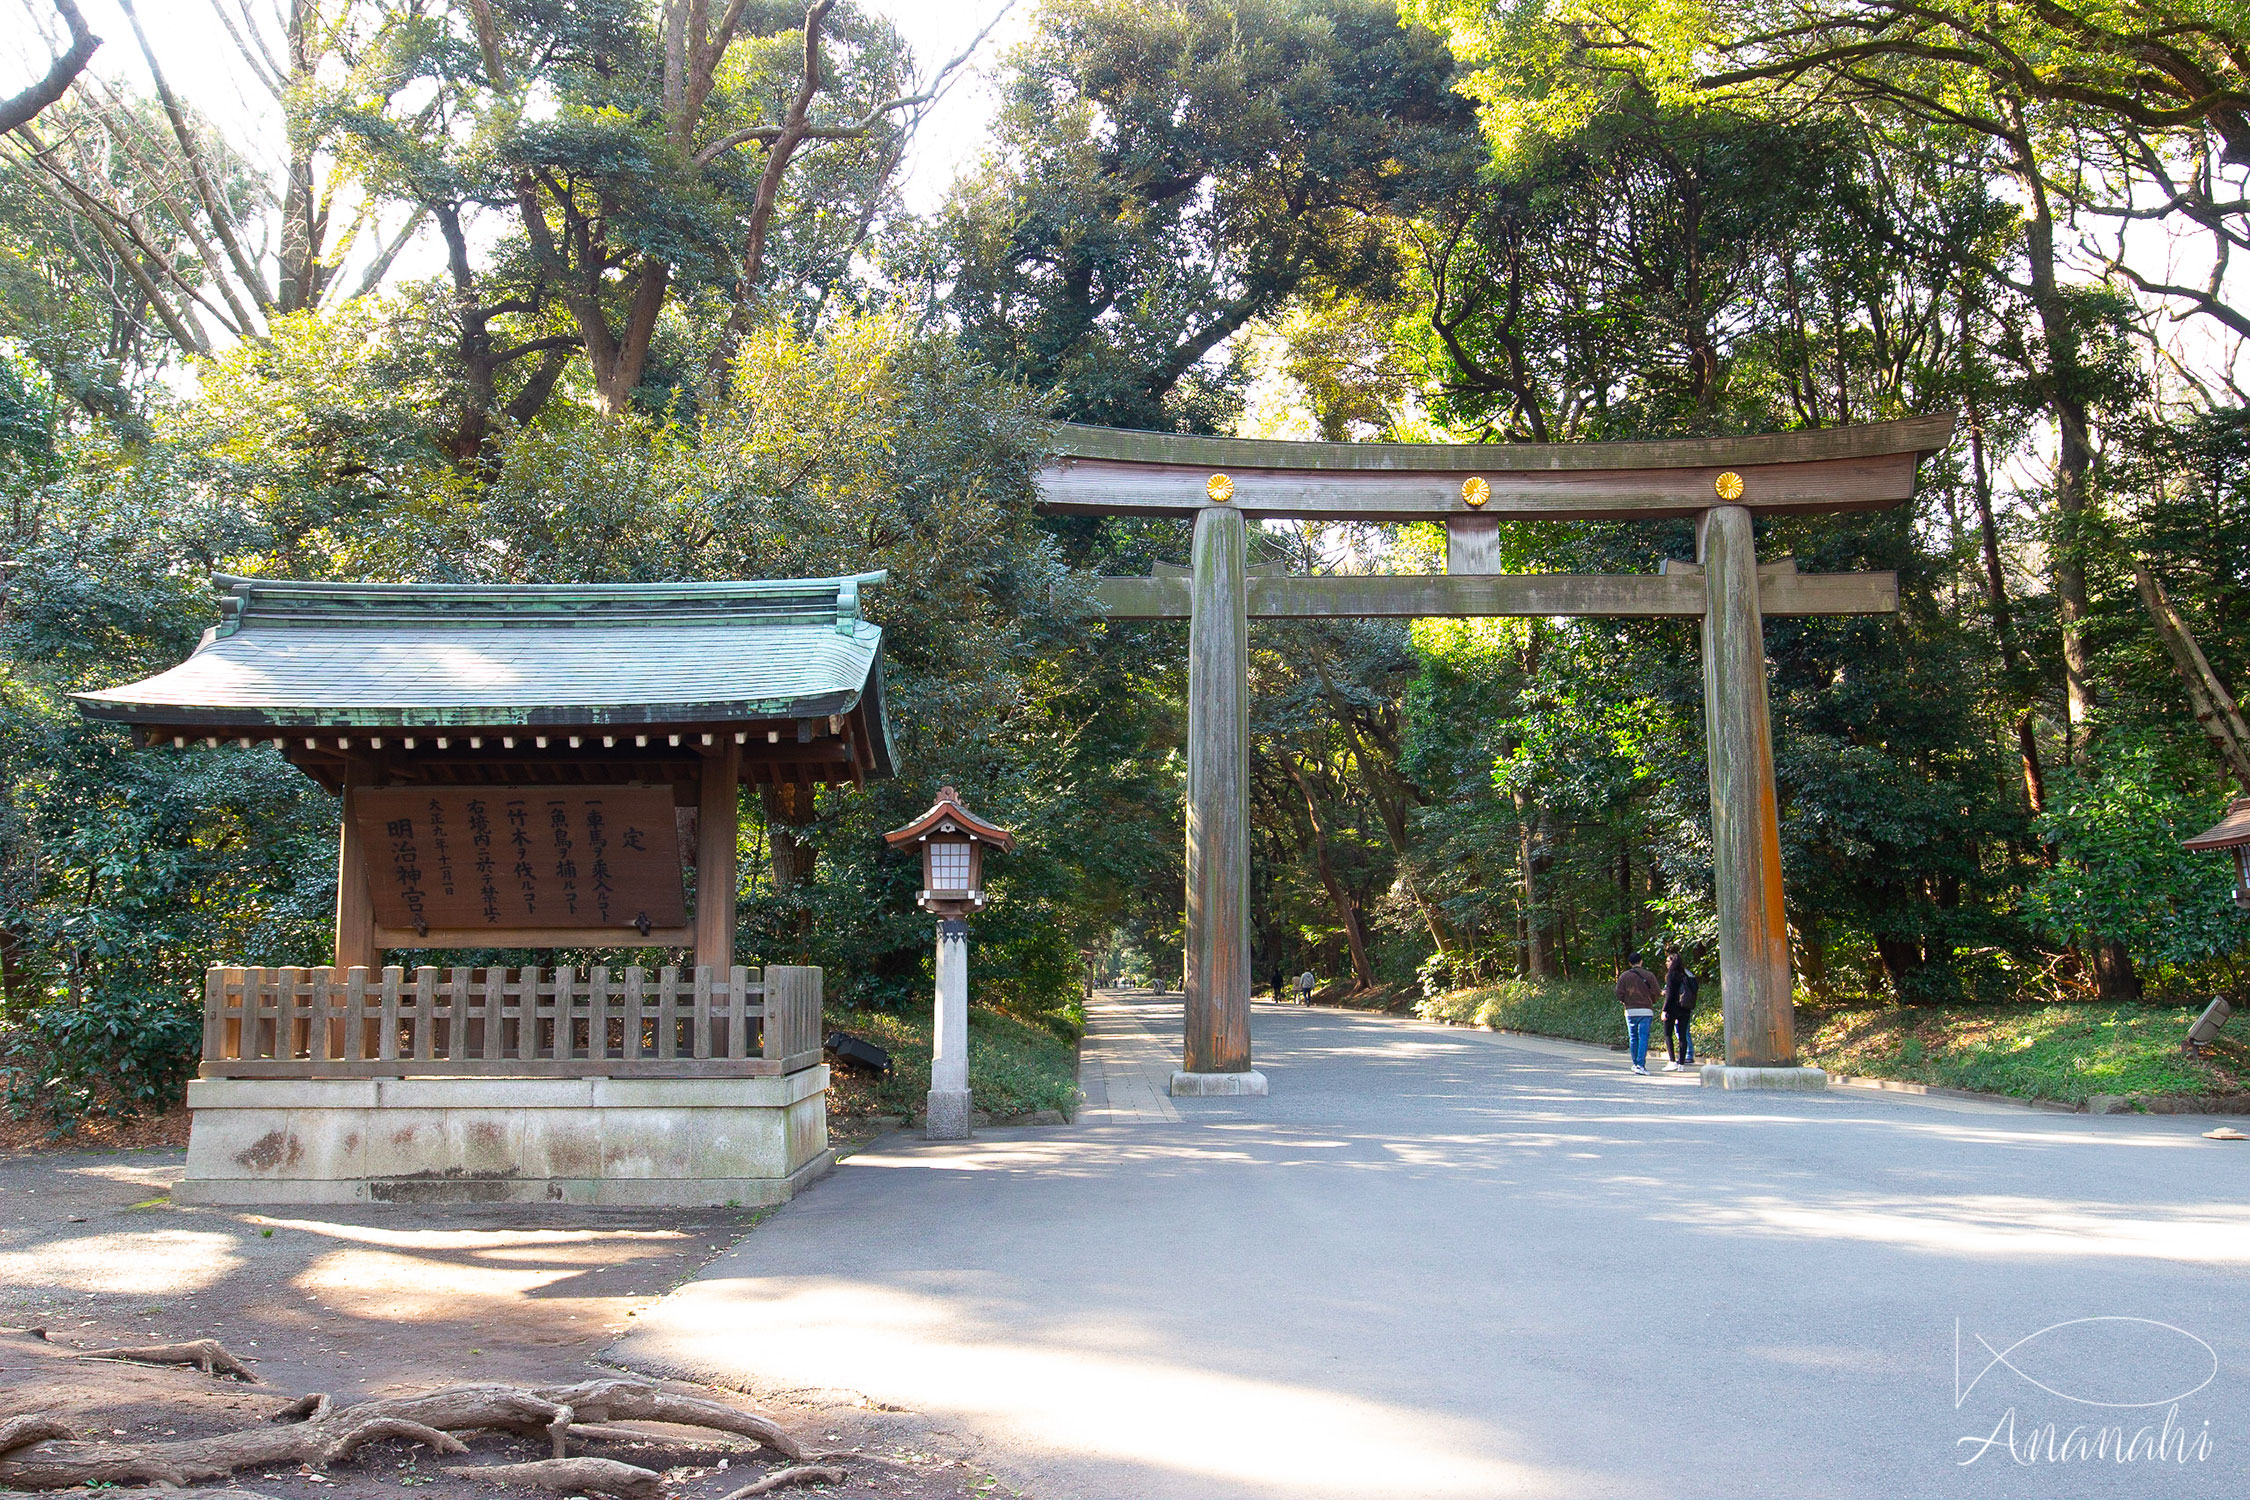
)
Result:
{"points": [[1724, 483], [2232, 834], [952, 840], [523, 767]]}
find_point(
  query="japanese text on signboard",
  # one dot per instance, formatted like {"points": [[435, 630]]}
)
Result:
{"points": [[452, 859]]}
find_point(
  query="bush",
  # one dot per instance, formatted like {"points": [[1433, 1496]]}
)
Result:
{"points": [[116, 1054]]}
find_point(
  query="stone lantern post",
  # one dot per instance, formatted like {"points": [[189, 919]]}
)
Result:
{"points": [[953, 841]]}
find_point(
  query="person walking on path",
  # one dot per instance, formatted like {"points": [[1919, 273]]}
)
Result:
{"points": [[1305, 983], [1279, 981], [1636, 991], [1679, 1010]]}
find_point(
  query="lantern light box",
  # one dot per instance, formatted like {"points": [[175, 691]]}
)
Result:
{"points": [[953, 841]]}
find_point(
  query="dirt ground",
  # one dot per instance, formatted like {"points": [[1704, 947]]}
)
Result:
{"points": [[380, 1300]]}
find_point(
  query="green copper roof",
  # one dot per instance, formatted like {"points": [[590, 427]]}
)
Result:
{"points": [[315, 655]]}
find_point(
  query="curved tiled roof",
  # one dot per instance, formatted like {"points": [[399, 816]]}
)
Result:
{"points": [[331, 656]]}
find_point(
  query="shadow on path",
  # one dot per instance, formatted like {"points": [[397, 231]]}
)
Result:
{"points": [[1434, 1263]]}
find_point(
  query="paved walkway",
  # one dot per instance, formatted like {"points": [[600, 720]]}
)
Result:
{"points": [[1443, 1263], [1125, 1067]]}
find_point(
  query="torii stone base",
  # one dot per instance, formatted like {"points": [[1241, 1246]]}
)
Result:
{"points": [[1724, 1076], [1186, 1085]]}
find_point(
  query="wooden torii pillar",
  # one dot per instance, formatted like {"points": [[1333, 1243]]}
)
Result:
{"points": [[1724, 483]]}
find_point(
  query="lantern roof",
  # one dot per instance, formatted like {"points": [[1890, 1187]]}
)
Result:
{"points": [[947, 815], [2230, 832]]}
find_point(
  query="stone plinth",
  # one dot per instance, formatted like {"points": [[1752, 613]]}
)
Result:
{"points": [[626, 1141], [1722, 1076], [1186, 1085]]}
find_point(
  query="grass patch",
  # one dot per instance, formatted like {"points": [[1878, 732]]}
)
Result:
{"points": [[2063, 1052], [1578, 1010], [1015, 1066]]}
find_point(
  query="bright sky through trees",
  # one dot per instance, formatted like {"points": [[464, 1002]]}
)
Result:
{"points": [[202, 63]]}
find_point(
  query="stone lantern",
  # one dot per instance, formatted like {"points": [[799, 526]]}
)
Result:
{"points": [[953, 841]]}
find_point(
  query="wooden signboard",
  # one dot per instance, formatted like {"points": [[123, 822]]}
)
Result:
{"points": [[453, 862]]}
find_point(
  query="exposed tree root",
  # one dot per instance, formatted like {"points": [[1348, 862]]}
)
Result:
{"points": [[782, 1478], [577, 1476], [644, 1401], [604, 1433], [57, 1465], [19, 1432], [35, 1453], [208, 1355]]}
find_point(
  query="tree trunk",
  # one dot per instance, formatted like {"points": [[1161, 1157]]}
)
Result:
{"points": [[1347, 910], [2213, 706], [1625, 898], [2114, 978], [618, 366], [787, 808], [1533, 860], [2012, 661], [1812, 956], [1901, 959], [1389, 792], [2074, 458]]}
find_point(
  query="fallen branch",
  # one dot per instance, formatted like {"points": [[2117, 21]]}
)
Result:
{"points": [[577, 1476], [208, 1355], [782, 1478]]}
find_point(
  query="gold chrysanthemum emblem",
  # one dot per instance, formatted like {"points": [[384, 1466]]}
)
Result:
{"points": [[1729, 485], [1219, 488], [1475, 490]]}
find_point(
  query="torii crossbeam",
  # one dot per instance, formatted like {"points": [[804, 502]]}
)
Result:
{"points": [[1722, 482]]}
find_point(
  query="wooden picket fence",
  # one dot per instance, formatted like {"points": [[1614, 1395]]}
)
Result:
{"points": [[516, 1023]]}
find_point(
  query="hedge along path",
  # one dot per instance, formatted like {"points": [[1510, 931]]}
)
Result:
{"points": [[37, 1452]]}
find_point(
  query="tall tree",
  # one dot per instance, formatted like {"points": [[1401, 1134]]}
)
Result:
{"points": [[1164, 176]]}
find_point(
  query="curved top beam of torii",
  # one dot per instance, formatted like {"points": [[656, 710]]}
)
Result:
{"points": [[1112, 471]]}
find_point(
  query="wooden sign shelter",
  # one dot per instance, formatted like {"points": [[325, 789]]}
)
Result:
{"points": [[518, 763], [1724, 483]]}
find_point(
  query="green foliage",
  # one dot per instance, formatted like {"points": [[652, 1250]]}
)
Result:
{"points": [[119, 1053], [2116, 824], [128, 871], [1165, 175], [1015, 1066]]}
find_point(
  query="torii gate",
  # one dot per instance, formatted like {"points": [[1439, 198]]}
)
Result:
{"points": [[1722, 482]]}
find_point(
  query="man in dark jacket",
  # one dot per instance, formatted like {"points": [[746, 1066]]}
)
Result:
{"points": [[1679, 1010], [1636, 991]]}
